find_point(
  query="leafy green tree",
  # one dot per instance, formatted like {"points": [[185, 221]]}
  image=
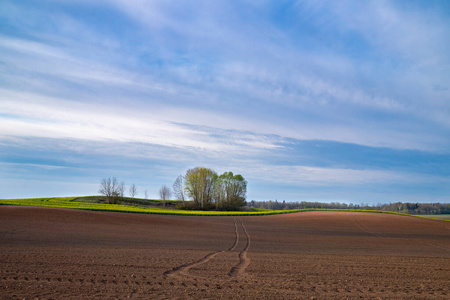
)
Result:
{"points": [[230, 191], [200, 186]]}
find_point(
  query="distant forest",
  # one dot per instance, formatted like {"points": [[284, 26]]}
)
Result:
{"points": [[406, 208]]}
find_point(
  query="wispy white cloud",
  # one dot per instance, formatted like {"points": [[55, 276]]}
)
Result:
{"points": [[409, 42], [41, 59], [59, 119], [298, 175]]}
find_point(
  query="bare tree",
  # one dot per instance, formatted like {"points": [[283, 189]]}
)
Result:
{"points": [[146, 194], [164, 193], [178, 188], [122, 189], [133, 190], [110, 188]]}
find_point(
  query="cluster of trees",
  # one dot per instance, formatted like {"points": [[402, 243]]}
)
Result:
{"points": [[208, 190], [406, 208], [114, 191], [204, 187]]}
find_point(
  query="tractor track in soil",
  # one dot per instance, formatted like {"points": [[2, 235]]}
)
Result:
{"points": [[182, 271], [244, 261]]}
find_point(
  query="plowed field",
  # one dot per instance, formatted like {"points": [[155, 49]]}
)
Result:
{"points": [[64, 254]]}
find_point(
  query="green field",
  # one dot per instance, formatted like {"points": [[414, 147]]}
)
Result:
{"points": [[90, 203], [440, 217], [153, 206]]}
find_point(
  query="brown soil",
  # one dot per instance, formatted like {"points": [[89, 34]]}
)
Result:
{"points": [[59, 254]]}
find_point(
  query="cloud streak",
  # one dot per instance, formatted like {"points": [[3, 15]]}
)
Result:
{"points": [[57, 119], [317, 176]]}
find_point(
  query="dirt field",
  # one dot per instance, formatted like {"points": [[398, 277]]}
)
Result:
{"points": [[62, 254]]}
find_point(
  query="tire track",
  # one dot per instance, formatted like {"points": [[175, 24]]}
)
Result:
{"points": [[244, 260], [183, 270], [236, 232], [363, 227]]}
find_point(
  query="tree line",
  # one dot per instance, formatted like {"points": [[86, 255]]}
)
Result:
{"points": [[200, 188], [406, 208]]}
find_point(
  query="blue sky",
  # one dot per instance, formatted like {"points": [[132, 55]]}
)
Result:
{"points": [[309, 100]]}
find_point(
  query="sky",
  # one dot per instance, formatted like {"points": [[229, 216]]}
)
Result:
{"points": [[329, 101]]}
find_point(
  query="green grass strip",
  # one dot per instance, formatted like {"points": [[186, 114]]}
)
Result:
{"points": [[68, 202]]}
